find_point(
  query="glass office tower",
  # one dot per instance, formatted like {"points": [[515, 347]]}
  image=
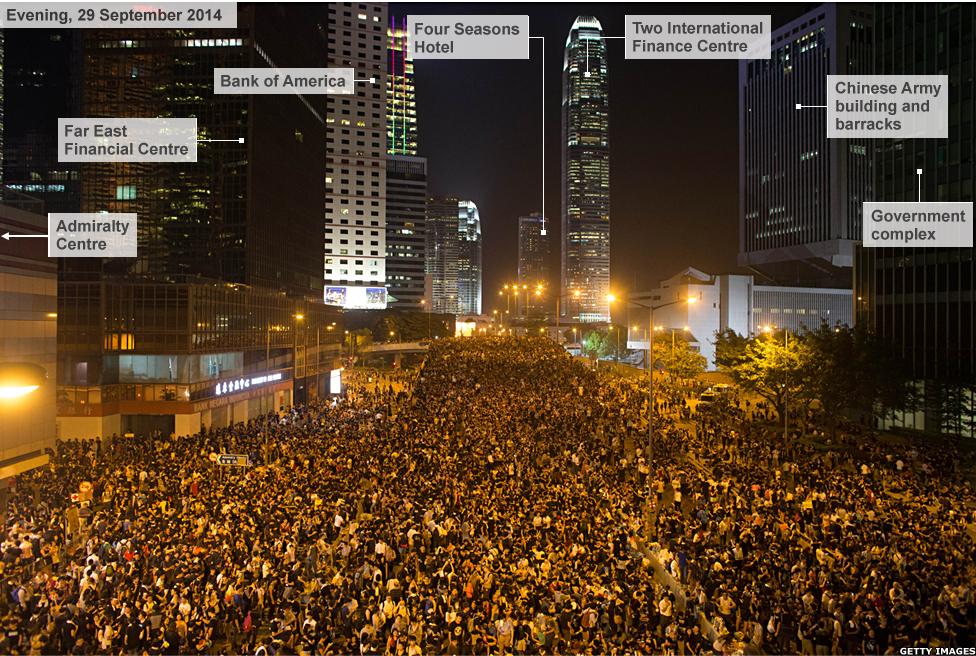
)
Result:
{"points": [[585, 262]]}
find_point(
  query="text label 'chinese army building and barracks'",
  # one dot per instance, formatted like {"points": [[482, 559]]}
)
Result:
{"points": [[887, 106], [127, 140], [468, 37], [91, 234]]}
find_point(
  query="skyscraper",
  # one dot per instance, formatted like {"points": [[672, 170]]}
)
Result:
{"points": [[211, 324], [355, 176], [923, 300], [586, 174], [241, 213], [801, 193], [442, 254], [533, 262], [41, 83], [406, 179], [401, 108], [469, 258], [406, 230]]}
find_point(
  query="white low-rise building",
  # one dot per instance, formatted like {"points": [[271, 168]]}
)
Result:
{"points": [[730, 302]]}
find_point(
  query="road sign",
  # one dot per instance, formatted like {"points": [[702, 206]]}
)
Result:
{"points": [[233, 459]]}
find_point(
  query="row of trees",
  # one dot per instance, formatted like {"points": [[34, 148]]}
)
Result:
{"points": [[846, 370], [671, 352]]}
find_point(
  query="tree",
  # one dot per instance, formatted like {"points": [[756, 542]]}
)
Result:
{"points": [[730, 349], [957, 406], [850, 371], [676, 357], [769, 366], [357, 339], [596, 345]]}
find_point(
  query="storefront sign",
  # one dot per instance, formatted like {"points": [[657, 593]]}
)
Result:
{"points": [[239, 384]]}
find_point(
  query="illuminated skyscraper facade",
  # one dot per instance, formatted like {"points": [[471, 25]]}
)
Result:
{"points": [[533, 262], [469, 258], [401, 108], [585, 263], [355, 153]]}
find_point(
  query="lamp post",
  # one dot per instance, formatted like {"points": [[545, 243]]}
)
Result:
{"points": [[616, 353], [650, 390], [423, 303], [298, 316]]}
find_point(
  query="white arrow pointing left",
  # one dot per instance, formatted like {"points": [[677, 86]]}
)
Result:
{"points": [[9, 236]]}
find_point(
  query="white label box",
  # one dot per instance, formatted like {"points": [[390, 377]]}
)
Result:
{"points": [[268, 81], [127, 140], [697, 37], [467, 37], [887, 106], [918, 225], [91, 234], [118, 15]]}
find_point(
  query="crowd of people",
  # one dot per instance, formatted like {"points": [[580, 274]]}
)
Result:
{"points": [[499, 499]]}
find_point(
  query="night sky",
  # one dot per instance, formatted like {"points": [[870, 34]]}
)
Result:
{"points": [[673, 142]]}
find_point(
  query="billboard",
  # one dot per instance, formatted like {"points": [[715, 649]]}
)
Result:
{"points": [[335, 381], [356, 298]]}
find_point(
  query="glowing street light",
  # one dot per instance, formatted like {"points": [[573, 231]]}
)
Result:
{"points": [[20, 378], [650, 390]]}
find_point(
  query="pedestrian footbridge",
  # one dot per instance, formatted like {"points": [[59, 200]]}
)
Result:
{"points": [[396, 348]]}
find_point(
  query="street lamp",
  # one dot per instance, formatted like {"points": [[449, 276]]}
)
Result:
{"points": [[650, 389], [423, 304], [294, 359], [20, 378]]}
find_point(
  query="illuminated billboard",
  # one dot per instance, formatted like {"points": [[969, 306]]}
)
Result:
{"points": [[335, 381], [356, 298]]}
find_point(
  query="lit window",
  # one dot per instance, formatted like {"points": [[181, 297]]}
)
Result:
{"points": [[125, 192]]}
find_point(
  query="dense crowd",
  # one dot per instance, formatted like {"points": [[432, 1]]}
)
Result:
{"points": [[495, 501]]}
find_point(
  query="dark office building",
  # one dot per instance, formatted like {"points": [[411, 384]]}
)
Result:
{"points": [[219, 318], [41, 83], [800, 193], [922, 299], [533, 263], [406, 230], [244, 212], [443, 249]]}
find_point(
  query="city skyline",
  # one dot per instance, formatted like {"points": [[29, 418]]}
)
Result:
{"points": [[429, 328], [695, 132]]}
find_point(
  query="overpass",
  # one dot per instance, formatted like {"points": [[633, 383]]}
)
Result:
{"points": [[395, 348]]}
